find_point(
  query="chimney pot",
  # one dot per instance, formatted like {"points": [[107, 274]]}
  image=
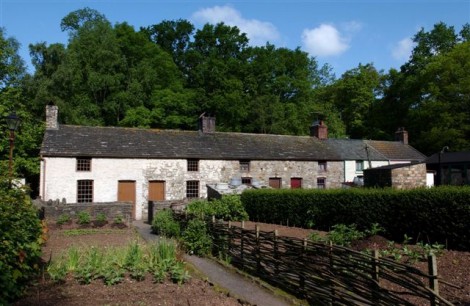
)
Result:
{"points": [[319, 130], [401, 135], [206, 124], [51, 117]]}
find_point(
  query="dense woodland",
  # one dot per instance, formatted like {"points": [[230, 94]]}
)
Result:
{"points": [[166, 75]]}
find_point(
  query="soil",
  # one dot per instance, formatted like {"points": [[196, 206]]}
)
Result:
{"points": [[130, 292], [453, 268]]}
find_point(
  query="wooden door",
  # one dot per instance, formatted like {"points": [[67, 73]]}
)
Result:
{"points": [[295, 183], [126, 193], [156, 191], [275, 182]]}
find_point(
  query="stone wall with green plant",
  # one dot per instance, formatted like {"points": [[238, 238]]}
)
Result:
{"points": [[20, 241], [432, 215]]}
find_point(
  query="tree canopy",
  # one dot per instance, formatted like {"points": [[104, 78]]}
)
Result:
{"points": [[167, 74]]}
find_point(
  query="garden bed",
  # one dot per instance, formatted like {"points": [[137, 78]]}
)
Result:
{"points": [[129, 292]]}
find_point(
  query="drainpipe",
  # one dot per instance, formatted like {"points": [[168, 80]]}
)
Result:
{"points": [[43, 193], [368, 156]]}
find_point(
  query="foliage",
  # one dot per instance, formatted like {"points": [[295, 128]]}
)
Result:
{"points": [[440, 214], [83, 218], [118, 219], [111, 264], [20, 248], [343, 235], [63, 219], [101, 217], [165, 224], [196, 237], [229, 207]]}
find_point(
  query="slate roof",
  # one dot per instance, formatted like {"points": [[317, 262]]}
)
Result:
{"points": [[395, 150], [117, 142]]}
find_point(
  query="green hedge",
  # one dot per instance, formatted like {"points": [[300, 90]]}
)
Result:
{"points": [[20, 239], [431, 215]]}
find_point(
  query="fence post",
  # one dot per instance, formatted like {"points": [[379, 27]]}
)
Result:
{"points": [[302, 271], [332, 283], [276, 253], [375, 277], [433, 281], [258, 250], [241, 246]]}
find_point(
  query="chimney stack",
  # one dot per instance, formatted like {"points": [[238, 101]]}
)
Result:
{"points": [[319, 130], [401, 135], [206, 124], [51, 117]]}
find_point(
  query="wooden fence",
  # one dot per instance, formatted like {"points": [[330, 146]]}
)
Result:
{"points": [[325, 274]]}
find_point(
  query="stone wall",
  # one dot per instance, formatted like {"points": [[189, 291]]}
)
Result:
{"points": [[155, 206], [54, 209], [409, 177], [396, 176]]}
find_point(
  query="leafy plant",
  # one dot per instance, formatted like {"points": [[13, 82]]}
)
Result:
{"points": [[165, 224], [20, 245], [83, 218], [101, 217], [179, 274], [118, 219], [196, 238], [57, 271], [344, 234], [63, 219]]}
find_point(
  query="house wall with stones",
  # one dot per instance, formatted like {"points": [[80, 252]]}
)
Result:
{"points": [[400, 177], [107, 172]]}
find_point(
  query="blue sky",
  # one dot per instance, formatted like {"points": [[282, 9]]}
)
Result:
{"points": [[342, 33]]}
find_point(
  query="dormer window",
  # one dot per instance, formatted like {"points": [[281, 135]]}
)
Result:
{"points": [[244, 166], [193, 165], [83, 164]]}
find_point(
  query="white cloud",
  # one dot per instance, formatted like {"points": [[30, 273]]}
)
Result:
{"points": [[324, 40], [402, 50], [258, 32]]}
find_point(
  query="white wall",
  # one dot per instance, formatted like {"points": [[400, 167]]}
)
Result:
{"points": [[59, 178], [350, 168]]}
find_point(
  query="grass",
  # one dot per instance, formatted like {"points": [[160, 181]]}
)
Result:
{"points": [[89, 231]]}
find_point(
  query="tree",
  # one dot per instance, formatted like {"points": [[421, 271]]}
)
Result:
{"points": [[353, 96], [12, 98], [443, 116]]}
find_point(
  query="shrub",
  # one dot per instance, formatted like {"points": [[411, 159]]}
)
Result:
{"points": [[440, 214], [196, 238], [20, 249], [229, 207], [118, 219], [83, 218], [165, 224], [101, 217], [63, 219], [200, 209]]}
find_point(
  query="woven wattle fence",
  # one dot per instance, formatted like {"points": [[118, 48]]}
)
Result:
{"points": [[325, 274]]}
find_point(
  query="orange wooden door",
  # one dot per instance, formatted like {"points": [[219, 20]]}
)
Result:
{"points": [[126, 193], [275, 182], [156, 191]]}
